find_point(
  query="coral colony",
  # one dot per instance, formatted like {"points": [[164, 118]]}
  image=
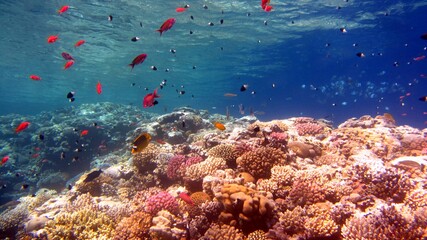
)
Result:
{"points": [[296, 178]]}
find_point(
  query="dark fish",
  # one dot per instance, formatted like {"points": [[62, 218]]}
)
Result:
{"points": [[243, 87], [424, 36], [360, 54], [62, 155], [141, 141], [256, 129], [191, 32], [24, 186], [67, 56], [91, 176], [183, 124], [95, 124], [110, 18], [70, 95], [69, 186], [192, 18], [172, 51], [140, 24], [154, 68], [134, 39], [221, 21], [181, 92], [423, 98], [210, 23], [72, 99], [41, 137]]}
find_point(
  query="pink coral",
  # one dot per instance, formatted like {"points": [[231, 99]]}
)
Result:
{"points": [[175, 164], [161, 201], [309, 128]]}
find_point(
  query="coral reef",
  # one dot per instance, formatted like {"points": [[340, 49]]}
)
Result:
{"points": [[296, 178]]}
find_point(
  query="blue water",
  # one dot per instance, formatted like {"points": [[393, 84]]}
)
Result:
{"points": [[301, 50]]}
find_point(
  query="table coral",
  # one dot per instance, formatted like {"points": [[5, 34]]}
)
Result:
{"points": [[258, 162]]}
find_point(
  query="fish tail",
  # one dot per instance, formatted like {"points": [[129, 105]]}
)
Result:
{"points": [[132, 65], [160, 31]]}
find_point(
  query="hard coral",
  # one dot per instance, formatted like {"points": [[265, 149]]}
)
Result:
{"points": [[196, 172], [162, 201], [134, 227], [222, 232], [258, 162], [166, 226], [82, 224], [387, 223], [244, 207], [309, 128], [307, 190], [305, 150], [176, 168], [143, 161], [200, 197], [224, 151]]}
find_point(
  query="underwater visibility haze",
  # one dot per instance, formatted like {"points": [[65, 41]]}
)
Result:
{"points": [[140, 109]]}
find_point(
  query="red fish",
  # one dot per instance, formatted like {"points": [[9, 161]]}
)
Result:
{"points": [[35, 77], [264, 3], [99, 88], [22, 127], [268, 8], [149, 99], [79, 43], [84, 133], [63, 9], [180, 9], [68, 64], [52, 39], [4, 160], [166, 25], [419, 58], [186, 198], [67, 56], [138, 60]]}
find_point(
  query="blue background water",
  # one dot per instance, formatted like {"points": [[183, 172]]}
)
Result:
{"points": [[291, 51]]}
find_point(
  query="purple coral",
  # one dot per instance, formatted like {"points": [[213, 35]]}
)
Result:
{"points": [[162, 201]]}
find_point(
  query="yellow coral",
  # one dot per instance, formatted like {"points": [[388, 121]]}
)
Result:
{"points": [[224, 151], [257, 235], [82, 224], [199, 170]]}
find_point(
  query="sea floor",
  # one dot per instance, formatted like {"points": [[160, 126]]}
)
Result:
{"points": [[71, 175]]}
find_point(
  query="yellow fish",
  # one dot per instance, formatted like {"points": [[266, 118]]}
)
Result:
{"points": [[140, 143]]}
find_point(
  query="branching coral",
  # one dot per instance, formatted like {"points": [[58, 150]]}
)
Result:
{"points": [[82, 224], [387, 223], [175, 167], [309, 128], [196, 172], [307, 190], [223, 232], [224, 151], [258, 162]]}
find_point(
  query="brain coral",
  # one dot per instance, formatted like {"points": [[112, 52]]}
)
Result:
{"points": [[161, 201], [258, 162], [134, 227]]}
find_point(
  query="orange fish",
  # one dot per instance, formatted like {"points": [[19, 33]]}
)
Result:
{"points": [[68, 64], [180, 9], [4, 160], [52, 39], [99, 88], [35, 77], [63, 9], [79, 43], [219, 126], [84, 133], [22, 127], [230, 95]]}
